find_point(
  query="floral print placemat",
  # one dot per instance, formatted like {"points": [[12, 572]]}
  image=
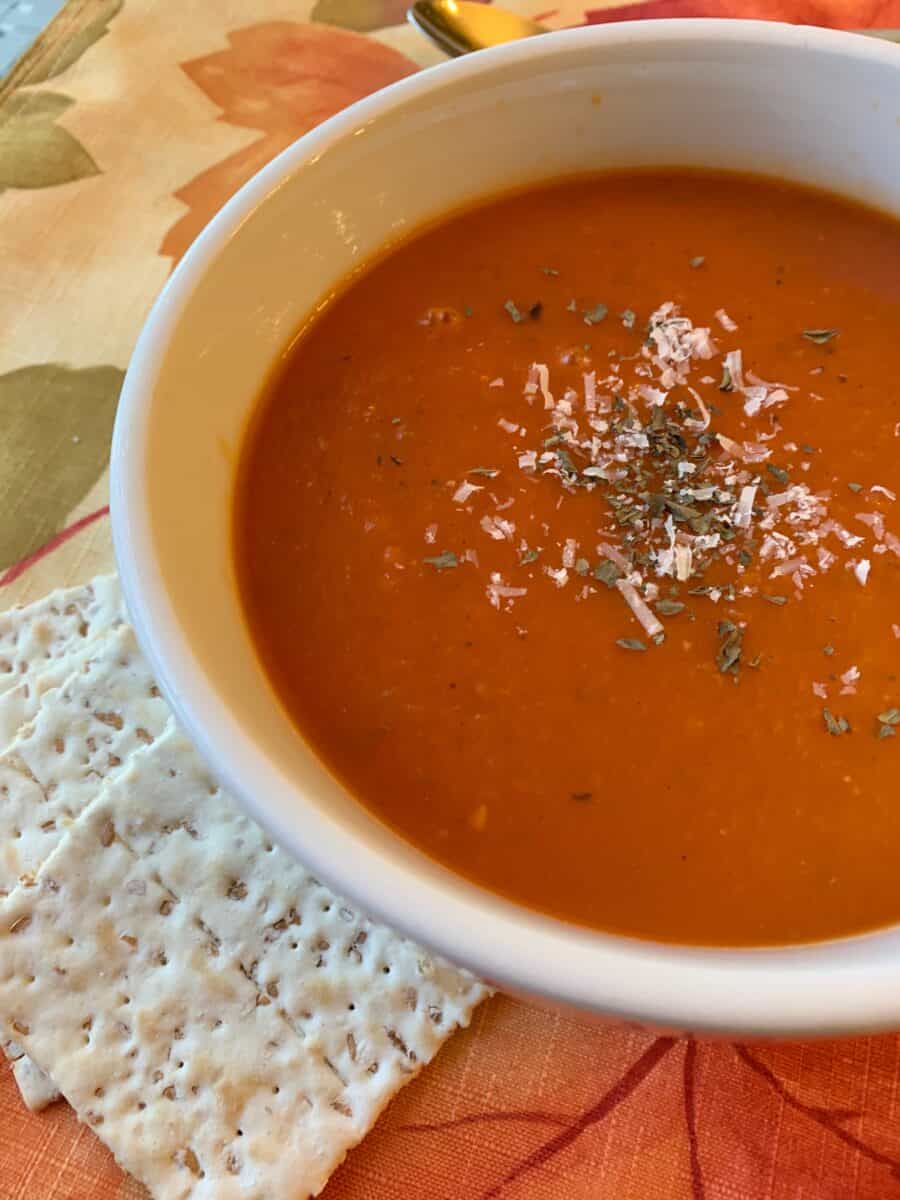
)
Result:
{"points": [[123, 134]]}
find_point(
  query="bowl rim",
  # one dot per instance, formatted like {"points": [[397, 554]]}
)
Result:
{"points": [[851, 985]]}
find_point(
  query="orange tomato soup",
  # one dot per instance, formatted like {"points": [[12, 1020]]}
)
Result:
{"points": [[568, 534]]}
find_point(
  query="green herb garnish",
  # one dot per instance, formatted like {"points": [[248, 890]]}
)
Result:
{"points": [[807, 449], [829, 650], [890, 716], [886, 731], [630, 643], [607, 572], [728, 657], [697, 261], [629, 317], [727, 383], [515, 312], [593, 316], [669, 608], [835, 725], [779, 600], [779, 473], [443, 562], [528, 556], [468, 312], [820, 336], [582, 566], [855, 487], [489, 472]]}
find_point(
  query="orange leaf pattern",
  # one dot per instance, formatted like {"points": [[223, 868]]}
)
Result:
{"points": [[282, 79]]}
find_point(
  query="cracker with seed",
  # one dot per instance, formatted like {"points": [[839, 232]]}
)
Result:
{"points": [[377, 1005], [36, 1088], [192, 1075], [19, 705], [84, 731], [89, 709], [33, 635]]}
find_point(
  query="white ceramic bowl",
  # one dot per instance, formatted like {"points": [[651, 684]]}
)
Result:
{"points": [[809, 105]]}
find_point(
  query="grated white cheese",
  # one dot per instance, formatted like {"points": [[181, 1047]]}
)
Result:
{"points": [[464, 491], [497, 528], [648, 619]]}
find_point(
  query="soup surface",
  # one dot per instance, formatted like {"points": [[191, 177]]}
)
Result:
{"points": [[568, 535]]}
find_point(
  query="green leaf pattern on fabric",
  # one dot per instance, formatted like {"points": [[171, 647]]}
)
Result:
{"points": [[361, 15], [57, 426], [35, 152]]}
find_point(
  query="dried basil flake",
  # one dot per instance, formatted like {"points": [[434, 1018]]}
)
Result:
{"points": [[820, 336], [443, 562], [835, 725], [593, 316]]}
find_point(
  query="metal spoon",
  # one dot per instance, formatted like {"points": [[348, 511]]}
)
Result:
{"points": [[461, 26]]}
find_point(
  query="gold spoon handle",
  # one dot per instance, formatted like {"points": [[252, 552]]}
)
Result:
{"points": [[461, 26]]}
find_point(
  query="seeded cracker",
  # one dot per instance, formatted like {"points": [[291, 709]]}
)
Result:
{"points": [[39, 644], [84, 732], [156, 1039], [190, 1073], [33, 635], [376, 1005]]}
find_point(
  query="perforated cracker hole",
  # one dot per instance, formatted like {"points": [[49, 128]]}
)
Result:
{"points": [[237, 890]]}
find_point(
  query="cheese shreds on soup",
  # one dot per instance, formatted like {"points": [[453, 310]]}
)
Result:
{"points": [[569, 536]]}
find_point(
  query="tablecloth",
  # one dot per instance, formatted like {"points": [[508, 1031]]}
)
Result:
{"points": [[120, 136]]}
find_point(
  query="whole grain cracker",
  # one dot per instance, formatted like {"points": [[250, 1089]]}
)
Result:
{"points": [[20, 704], [36, 1088], [377, 1005], [156, 1037], [84, 731], [32, 635]]}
